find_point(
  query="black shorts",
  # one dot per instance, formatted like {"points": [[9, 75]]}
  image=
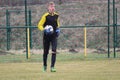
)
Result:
{"points": [[49, 40]]}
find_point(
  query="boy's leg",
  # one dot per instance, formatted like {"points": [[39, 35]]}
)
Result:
{"points": [[54, 47], [53, 60], [46, 45]]}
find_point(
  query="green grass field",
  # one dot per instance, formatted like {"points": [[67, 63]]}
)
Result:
{"points": [[69, 67]]}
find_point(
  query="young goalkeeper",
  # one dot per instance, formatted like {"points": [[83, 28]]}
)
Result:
{"points": [[49, 24]]}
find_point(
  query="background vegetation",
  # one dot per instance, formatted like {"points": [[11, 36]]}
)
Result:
{"points": [[72, 13]]}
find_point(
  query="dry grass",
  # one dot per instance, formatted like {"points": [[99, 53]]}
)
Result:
{"points": [[68, 70]]}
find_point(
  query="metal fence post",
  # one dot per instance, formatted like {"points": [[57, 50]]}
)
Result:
{"points": [[114, 29], [8, 29], [30, 24], [26, 24], [108, 28]]}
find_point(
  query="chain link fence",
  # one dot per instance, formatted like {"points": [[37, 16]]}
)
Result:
{"points": [[74, 16]]}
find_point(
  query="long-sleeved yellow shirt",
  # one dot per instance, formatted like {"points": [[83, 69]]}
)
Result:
{"points": [[49, 19]]}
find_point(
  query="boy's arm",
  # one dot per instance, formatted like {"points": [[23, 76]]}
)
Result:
{"points": [[58, 22], [41, 23]]}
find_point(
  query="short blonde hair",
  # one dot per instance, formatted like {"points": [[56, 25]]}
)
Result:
{"points": [[51, 3]]}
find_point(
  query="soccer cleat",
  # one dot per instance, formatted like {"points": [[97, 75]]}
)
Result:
{"points": [[44, 68], [53, 69]]}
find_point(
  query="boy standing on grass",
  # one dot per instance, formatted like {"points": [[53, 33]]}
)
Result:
{"points": [[49, 24]]}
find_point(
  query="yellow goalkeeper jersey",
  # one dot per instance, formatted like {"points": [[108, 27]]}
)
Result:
{"points": [[49, 19]]}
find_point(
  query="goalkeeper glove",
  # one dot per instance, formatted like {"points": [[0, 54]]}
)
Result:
{"points": [[57, 32]]}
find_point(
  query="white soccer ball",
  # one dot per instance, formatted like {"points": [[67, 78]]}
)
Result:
{"points": [[49, 27]]}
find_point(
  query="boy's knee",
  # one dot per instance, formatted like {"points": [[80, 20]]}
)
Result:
{"points": [[53, 51]]}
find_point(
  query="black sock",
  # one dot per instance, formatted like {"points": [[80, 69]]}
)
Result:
{"points": [[45, 59], [53, 60]]}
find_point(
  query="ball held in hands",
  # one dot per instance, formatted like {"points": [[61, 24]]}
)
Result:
{"points": [[48, 29]]}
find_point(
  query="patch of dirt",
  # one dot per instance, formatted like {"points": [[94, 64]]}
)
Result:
{"points": [[4, 52], [40, 51]]}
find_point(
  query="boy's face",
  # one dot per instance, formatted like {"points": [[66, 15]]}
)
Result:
{"points": [[51, 8]]}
